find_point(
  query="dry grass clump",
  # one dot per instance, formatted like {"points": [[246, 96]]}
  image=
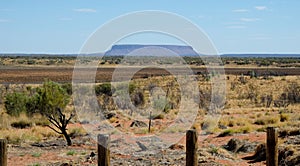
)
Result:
{"points": [[227, 132], [245, 129], [34, 134], [22, 121], [284, 117], [267, 120], [227, 121], [77, 131], [231, 131], [24, 129], [289, 131], [4, 121], [210, 124]]}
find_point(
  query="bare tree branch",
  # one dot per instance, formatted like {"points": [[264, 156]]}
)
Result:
{"points": [[54, 129], [54, 121]]}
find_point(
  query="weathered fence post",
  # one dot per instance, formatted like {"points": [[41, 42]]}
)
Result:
{"points": [[149, 127], [272, 146], [3, 152], [191, 148], [103, 150]]}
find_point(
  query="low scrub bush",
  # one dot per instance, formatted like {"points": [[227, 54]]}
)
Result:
{"points": [[21, 124], [266, 120], [75, 132], [228, 132], [291, 93], [105, 88], [15, 103], [244, 129]]}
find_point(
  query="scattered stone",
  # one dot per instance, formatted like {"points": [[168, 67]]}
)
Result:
{"points": [[137, 123], [176, 147], [110, 115], [247, 147], [233, 145], [142, 146], [222, 126], [84, 122], [91, 157], [259, 155], [50, 143], [105, 127], [293, 140]]}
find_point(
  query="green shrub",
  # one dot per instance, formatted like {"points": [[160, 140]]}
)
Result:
{"points": [[36, 154], [68, 88], [131, 88], [105, 88], [214, 150], [71, 153], [36, 164], [15, 103], [30, 61]]}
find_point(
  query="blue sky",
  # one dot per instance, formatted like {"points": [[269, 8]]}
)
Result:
{"points": [[234, 26]]}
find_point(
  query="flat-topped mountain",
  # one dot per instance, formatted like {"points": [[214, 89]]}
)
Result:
{"points": [[151, 50]]}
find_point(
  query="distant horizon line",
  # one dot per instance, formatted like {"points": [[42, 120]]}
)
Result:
{"points": [[221, 54]]}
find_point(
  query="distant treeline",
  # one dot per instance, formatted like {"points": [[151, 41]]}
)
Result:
{"points": [[239, 59], [116, 56]]}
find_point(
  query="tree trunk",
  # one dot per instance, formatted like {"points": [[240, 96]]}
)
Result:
{"points": [[67, 137]]}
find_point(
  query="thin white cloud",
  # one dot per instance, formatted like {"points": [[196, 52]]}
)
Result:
{"points": [[236, 27], [3, 20], [85, 10], [250, 19], [260, 7], [240, 10]]}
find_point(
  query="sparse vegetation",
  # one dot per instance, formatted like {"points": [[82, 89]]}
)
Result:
{"points": [[255, 99], [71, 153]]}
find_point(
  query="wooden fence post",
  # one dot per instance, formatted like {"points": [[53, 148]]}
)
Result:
{"points": [[3, 152], [272, 146], [191, 148], [103, 150], [149, 127]]}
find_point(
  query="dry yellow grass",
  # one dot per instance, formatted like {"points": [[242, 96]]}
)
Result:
{"points": [[241, 114]]}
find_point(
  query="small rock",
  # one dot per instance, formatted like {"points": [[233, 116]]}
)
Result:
{"points": [[233, 145], [142, 146], [137, 123], [176, 147]]}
